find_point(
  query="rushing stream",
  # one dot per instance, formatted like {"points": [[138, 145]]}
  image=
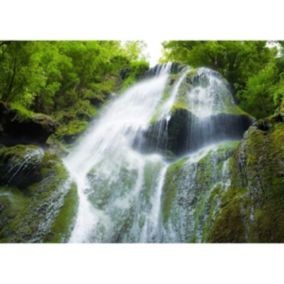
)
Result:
{"points": [[121, 187]]}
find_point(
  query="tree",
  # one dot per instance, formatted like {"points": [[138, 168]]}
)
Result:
{"points": [[235, 60], [46, 76], [249, 66]]}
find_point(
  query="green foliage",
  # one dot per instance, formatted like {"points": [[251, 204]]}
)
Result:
{"points": [[251, 68], [264, 90], [67, 80], [72, 130], [235, 60], [48, 76]]}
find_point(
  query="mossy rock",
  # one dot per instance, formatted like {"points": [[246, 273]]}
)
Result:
{"points": [[64, 221], [170, 188], [252, 210], [41, 211], [192, 192], [68, 133], [184, 132], [22, 126], [20, 165]]}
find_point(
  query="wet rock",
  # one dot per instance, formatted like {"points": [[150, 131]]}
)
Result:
{"points": [[185, 132], [175, 68], [39, 203], [190, 198], [252, 208], [20, 165]]}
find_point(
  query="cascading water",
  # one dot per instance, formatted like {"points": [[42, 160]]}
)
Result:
{"points": [[24, 165], [120, 187], [106, 158]]}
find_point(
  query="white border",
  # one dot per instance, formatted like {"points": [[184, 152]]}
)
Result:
{"points": [[141, 20], [137, 264], [137, 19]]}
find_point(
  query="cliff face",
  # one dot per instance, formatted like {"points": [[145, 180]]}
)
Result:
{"points": [[231, 193], [37, 199], [252, 209]]}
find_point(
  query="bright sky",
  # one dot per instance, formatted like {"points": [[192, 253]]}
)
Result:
{"points": [[153, 51]]}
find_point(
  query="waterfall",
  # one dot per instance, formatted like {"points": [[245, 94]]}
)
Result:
{"points": [[105, 156], [120, 186]]}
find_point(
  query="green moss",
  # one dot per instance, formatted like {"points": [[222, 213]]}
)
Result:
{"points": [[12, 200], [72, 122], [213, 208], [16, 152], [22, 112], [63, 223], [230, 223], [158, 111], [19, 165], [192, 72], [234, 110], [28, 215], [69, 132], [252, 209], [179, 104], [170, 188], [52, 166], [73, 128]]}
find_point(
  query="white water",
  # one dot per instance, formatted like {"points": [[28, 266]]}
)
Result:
{"points": [[166, 108], [25, 163], [107, 147], [120, 189], [210, 96]]}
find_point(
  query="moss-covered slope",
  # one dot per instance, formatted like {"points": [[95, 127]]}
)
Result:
{"points": [[252, 209], [37, 199], [192, 191]]}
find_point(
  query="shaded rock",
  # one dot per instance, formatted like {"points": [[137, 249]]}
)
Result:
{"points": [[185, 132], [175, 68], [42, 209], [21, 128], [20, 165]]}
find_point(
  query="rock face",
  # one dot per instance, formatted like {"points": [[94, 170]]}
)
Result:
{"points": [[184, 132], [252, 209], [174, 69], [38, 201], [19, 128], [233, 193], [192, 192], [20, 165], [197, 109]]}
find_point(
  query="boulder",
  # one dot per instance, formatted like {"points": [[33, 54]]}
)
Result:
{"points": [[38, 201], [18, 127], [20, 165], [185, 132]]}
